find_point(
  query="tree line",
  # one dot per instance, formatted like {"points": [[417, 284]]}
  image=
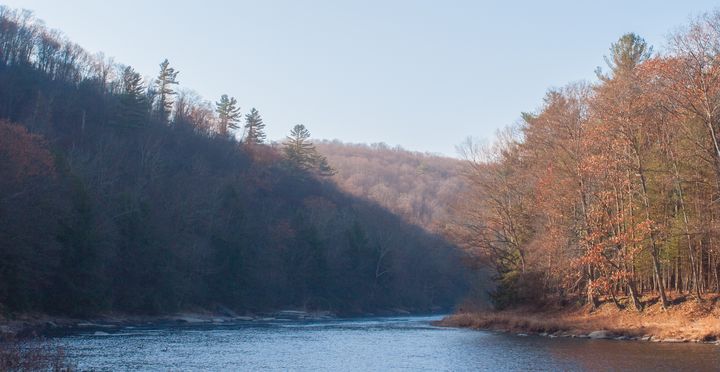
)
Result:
{"points": [[120, 194], [611, 189]]}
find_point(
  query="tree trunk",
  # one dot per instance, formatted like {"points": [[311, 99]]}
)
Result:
{"points": [[653, 243], [686, 225], [634, 295]]}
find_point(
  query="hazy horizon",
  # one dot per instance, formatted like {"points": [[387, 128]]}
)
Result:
{"points": [[408, 74]]}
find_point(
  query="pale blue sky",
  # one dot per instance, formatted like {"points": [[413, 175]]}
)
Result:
{"points": [[421, 74]]}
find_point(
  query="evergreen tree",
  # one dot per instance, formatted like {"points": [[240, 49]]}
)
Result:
{"points": [[228, 113], [163, 85], [133, 101], [302, 153], [323, 168], [629, 51], [298, 148], [254, 127]]}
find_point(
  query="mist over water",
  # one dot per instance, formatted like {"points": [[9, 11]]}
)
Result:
{"points": [[367, 344]]}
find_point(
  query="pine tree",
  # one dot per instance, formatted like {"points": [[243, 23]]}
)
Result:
{"points": [[163, 85], [628, 52], [133, 101], [323, 168], [302, 153], [298, 149], [254, 127], [228, 114]]}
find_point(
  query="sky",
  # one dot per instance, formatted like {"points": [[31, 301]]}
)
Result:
{"points": [[424, 75]]}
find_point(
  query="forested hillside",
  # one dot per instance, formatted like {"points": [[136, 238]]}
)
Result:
{"points": [[417, 186], [119, 194], [611, 189]]}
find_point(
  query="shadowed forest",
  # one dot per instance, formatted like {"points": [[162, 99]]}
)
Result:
{"points": [[125, 195]]}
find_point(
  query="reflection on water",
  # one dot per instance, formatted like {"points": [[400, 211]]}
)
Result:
{"points": [[378, 344]]}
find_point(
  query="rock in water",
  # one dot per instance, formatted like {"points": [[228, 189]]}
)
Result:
{"points": [[596, 335]]}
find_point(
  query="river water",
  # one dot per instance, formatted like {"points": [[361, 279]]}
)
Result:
{"points": [[368, 344]]}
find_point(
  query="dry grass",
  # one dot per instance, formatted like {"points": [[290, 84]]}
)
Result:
{"points": [[32, 355], [685, 320]]}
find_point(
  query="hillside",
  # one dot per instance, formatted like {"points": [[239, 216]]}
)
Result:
{"points": [[417, 186], [121, 195]]}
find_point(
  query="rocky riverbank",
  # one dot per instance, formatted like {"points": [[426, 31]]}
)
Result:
{"points": [[28, 325], [39, 324], [687, 320]]}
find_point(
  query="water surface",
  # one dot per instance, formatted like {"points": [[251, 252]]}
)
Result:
{"points": [[368, 344]]}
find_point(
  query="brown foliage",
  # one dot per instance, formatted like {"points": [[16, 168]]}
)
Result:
{"points": [[413, 185], [610, 189], [23, 155]]}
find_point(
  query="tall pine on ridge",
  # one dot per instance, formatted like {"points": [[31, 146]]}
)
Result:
{"points": [[164, 91], [228, 114], [254, 128]]}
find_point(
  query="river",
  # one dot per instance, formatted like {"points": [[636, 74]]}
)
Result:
{"points": [[367, 344]]}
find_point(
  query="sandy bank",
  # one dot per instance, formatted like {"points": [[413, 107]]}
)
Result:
{"points": [[685, 321]]}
